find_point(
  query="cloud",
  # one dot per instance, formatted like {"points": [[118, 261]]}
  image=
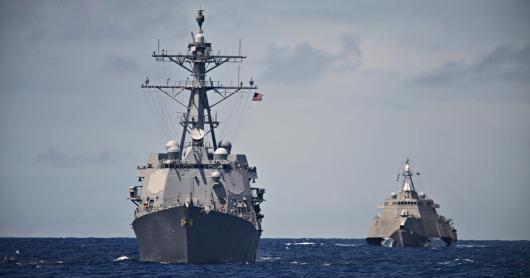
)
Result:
{"points": [[61, 159], [302, 62], [66, 22], [504, 63], [349, 57]]}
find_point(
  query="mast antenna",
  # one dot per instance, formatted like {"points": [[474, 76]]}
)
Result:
{"points": [[239, 64], [199, 61]]}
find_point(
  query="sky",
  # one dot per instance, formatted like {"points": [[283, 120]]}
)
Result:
{"points": [[351, 89]]}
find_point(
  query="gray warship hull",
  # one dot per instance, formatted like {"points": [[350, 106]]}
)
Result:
{"points": [[404, 238], [407, 224], [409, 219], [194, 202], [191, 235]]}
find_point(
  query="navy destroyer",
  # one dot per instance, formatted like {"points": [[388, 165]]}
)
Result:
{"points": [[410, 219], [194, 202]]}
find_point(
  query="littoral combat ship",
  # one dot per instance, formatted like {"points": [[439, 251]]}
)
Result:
{"points": [[194, 201], [410, 219]]}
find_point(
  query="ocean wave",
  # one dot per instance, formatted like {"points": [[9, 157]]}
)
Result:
{"points": [[300, 243], [269, 258], [79, 257], [470, 246], [122, 258], [456, 262], [346, 245]]}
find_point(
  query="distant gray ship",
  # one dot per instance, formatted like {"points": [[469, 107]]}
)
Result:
{"points": [[409, 219], [194, 202]]}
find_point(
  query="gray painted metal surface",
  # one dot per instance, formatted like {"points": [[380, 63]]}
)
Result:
{"points": [[410, 219], [195, 203], [189, 234]]}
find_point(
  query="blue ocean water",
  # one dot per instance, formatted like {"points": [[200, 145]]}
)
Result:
{"points": [[118, 257]]}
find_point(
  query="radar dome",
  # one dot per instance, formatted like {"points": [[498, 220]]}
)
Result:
{"points": [[393, 195], [226, 145], [220, 154], [171, 143], [220, 151]]}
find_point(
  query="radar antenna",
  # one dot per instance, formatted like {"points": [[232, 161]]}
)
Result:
{"points": [[198, 61]]}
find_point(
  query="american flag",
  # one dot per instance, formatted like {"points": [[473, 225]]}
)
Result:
{"points": [[257, 97]]}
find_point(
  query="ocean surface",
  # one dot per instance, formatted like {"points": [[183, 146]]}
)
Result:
{"points": [[118, 257]]}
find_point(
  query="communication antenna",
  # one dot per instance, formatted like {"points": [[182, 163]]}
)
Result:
{"points": [[199, 61], [238, 65]]}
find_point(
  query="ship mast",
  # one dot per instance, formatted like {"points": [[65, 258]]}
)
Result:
{"points": [[408, 185], [198, 61]]}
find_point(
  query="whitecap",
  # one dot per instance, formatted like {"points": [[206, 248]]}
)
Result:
{"points": [[300, 243], [304, 243], [470, 246], [269, 258], [122, 258]]}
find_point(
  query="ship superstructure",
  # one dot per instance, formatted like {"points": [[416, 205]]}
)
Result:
{"points": [[195, 202], [410, 219]]}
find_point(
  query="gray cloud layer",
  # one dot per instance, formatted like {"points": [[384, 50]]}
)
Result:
{"points": [[504, 63], [337, 118], [303, 62]]}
